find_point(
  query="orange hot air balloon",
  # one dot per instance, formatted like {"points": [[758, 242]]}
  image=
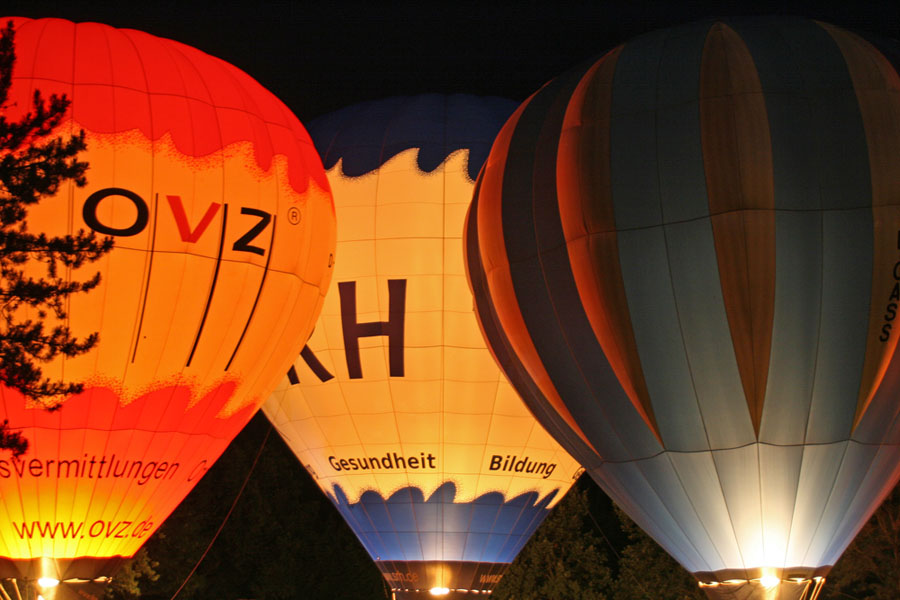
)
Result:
{"points": [[689, 251], [224, 237]]}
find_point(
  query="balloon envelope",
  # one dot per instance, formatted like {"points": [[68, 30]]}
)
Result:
{"points": [[688, 250], [224, 229], [396, 406]]}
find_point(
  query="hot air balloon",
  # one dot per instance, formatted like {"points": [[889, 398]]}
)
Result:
{"points": [[395, 406], [689, 248], [223, 226]]}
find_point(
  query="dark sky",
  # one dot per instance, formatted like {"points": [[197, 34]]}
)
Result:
{"points": [[321, 56]]}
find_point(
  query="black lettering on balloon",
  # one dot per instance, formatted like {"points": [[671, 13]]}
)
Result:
{"points": [[890, 310], [292, 376], [212, 287], [393, 328], [259, 291], [315, 365], [243, 243], [89, 212]]}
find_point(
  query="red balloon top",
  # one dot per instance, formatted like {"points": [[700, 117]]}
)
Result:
{"points": [[123, 80]]}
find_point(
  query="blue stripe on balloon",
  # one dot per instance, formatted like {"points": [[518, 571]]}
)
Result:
{"points": [[633, 137], [408, 527], [798, 299], [846, 297], [540, 272], [691, 250], [545, 287], [501, 347], [669, 272], [707, 341], [798, 255], [678, 149], [823, 231], [710, 366]]}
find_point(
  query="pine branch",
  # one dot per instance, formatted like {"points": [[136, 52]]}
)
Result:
{"points": [[37, 270], [12, 440]]}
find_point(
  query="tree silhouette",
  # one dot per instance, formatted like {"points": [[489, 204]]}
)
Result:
{"points": [[870, 567], [35, 268], [284, 540], [588, 549], [565, 558], [647, 572]]}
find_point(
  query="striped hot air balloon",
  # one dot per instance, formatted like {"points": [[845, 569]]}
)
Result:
{"points": [[395, 406], [223, 226], [689, 251]]}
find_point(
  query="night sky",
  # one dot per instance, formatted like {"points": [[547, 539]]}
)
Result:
{"points": [[319, 57]]}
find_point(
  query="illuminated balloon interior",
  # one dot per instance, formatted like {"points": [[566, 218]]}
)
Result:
{"points": [[687, 251], [223, 226], [396, 406]]}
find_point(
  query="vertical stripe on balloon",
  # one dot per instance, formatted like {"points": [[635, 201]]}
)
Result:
{"points": [[500, 346], [663, 244], [588, 222], [877, 88], [727, 197], [738, 162], [497, 268], [820, 176]]}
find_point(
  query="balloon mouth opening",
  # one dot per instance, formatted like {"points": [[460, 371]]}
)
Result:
{"points": [[766, 581]]}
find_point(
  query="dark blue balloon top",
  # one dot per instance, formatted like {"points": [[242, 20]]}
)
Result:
{"points": [[369, 134]]}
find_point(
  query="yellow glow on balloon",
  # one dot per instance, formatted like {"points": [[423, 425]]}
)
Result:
{"points": [[183, 270], [398, 408], [223, 238], [452, 416]]}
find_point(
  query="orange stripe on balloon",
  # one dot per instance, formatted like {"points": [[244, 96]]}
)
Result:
{"points": [[586, 212], [497, 272], [877, 87], [737, 155]]}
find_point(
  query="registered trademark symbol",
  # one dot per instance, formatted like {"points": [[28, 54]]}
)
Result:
{"points": [[293, 215]]}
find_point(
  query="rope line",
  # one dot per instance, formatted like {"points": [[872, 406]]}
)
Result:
{"points": [[227, 515]]}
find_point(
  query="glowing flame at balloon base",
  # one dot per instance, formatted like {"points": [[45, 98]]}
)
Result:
{"points": [[441, 545], [417, 580], [768, 587], [27, 587]]}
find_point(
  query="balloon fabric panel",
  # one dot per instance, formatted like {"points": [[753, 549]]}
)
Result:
{"points": [[396, 406], [223, 230], [723, 200]]}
